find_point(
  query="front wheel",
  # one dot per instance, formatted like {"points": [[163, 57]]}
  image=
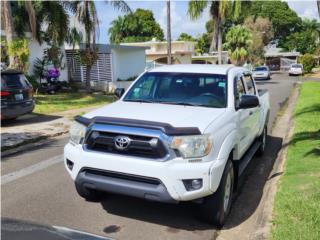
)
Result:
{"points": [[216, 207], [89, 195], [263, 140]]}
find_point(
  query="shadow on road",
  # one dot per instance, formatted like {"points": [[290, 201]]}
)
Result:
{"points": [[29, 119], [181, 216]]}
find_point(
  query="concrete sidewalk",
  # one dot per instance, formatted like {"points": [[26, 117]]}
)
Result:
{"points": [[34, 127]]}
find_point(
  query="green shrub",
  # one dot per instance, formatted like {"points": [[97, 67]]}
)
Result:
{"points": [[308, 62], [33, 80]]}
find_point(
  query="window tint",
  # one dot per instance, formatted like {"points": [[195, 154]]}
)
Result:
{"points": [[239, 91], [250, 86], [180, 88], [14, 81]]}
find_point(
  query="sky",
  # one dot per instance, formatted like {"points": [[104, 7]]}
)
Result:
{"points": [[180, 21]]}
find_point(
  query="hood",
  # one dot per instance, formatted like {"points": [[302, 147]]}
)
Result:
{"points": [[175, 115]]}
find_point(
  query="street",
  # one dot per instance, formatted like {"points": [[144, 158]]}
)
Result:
{"points": [[37, 188]]}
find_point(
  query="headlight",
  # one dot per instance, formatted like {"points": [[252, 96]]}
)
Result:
{"points": [[77, 132], [192, 146]]}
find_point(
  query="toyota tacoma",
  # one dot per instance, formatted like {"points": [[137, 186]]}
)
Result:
{"points": [[179, 133]]}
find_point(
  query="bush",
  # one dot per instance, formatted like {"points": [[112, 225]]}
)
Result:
{"points": [[308, 62], [33, 80]]}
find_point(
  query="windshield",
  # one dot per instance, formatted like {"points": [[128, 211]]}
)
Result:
{"points": [[194, 89], [296, 66], [261, 69]]}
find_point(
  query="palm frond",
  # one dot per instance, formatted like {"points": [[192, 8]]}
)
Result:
{"points": [[196, 8], [120, 5]]}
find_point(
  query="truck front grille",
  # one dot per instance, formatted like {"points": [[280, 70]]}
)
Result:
{"points": [[139, 146]]}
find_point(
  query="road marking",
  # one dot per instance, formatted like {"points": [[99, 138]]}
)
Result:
{"points": [[79, 235], [31, 169]]}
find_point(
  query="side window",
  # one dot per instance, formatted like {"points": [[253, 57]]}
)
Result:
{"points": [[250, 85], [144, 89], [240, 89]]}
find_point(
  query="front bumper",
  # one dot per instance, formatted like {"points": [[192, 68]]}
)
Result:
{"points": [[169, 174]]}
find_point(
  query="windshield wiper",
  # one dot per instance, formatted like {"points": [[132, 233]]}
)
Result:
{"points": [[184, 104], [139, 100]]}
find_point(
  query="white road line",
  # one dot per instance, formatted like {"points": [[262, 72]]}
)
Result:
{"points": [[30, 170]]}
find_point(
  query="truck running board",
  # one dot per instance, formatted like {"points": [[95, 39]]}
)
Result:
{"points": [[248, 156]]}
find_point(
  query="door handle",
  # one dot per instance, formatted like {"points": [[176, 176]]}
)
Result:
{"points": [[251, 112]]}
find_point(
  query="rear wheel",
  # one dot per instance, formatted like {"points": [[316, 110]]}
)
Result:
{"points": [[216, 207], [263, 140]]}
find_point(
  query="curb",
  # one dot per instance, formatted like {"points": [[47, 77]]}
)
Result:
{"points": [[264, 220], [32, 143]]}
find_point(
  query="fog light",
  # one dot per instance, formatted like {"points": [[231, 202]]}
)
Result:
{"points": [[192, 184], [69, 164]]}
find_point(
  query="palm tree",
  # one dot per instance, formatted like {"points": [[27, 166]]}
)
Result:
{"points": [[318, 4], [87, 15], [238, 41], [8, 22], [74, 37], [168, 32], [218, 11]]}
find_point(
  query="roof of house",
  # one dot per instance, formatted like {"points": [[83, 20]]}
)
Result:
{"points": [[195, 68], [106, 48], [278, 52]]}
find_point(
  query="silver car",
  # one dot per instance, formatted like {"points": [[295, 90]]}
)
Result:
{"points": [[262, 72]]}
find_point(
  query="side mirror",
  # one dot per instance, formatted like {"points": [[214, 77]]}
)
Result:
{"points": [[119, 92], [248, 101]]}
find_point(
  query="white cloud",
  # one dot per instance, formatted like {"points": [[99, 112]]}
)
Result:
{"points": [[305, 9]]}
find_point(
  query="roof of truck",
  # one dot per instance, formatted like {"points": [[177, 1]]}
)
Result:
{"points": [[195, 68]]}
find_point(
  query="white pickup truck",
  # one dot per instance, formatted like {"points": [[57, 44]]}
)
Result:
{"points": [[179, 133]]}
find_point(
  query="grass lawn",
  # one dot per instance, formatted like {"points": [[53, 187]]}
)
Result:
{"points": [[297, 203], [46, 104]]}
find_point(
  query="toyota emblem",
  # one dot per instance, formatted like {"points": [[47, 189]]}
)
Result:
{"points": [[121, 142]]}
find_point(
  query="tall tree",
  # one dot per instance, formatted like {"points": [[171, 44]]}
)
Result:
{"points": [[139, 26], [218, 11], [87, 15], [8, 22], [238, 41], [74, 38], [185, 37], [318, 5], [169, 31]]}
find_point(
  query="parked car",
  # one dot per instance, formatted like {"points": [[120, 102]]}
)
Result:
{"points": [[262, 72], [296, 69], [16, 95], [179, 133]]}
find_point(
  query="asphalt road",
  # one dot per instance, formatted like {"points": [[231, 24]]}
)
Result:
{"points": [[36, 188]]}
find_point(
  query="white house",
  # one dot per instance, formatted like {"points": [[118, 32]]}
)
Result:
{"points": [[115, 66]]}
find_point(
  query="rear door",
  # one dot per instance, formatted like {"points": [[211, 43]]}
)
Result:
{"points": [[15, 88], [254, 113], [243, 115]]}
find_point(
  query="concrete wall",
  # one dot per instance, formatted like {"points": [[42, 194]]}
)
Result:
{"points": [[36, 51], [127, 63]]}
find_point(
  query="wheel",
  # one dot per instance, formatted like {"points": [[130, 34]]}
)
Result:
{"points": [[263, 139], [216, 207], [89, 195]]}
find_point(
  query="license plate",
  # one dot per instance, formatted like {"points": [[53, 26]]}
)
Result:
{"points": [[18, 97]]}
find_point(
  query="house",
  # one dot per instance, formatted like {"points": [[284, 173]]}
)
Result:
{"points": [[156, 51], [211, 58], [277, 59], [115, 66], [36, 51]]}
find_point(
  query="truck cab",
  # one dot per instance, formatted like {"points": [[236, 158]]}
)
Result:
{"points": [[179, 133]]}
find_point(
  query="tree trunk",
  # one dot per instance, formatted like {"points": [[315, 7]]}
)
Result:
{"points": [[168, 32], [8, 27], [214, 41], [88, 79], [220, 45]]}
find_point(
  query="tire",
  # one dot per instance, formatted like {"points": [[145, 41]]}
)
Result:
{"points": [[216, 207], [263, 139], [89, 195]]}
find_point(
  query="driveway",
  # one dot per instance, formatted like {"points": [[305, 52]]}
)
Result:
{"points": [[36, 188]]}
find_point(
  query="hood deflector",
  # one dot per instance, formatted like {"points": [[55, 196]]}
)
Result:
{"points": [[164, 127]]}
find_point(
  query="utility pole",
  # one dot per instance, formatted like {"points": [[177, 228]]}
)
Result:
{"points": [[168, 32]]}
